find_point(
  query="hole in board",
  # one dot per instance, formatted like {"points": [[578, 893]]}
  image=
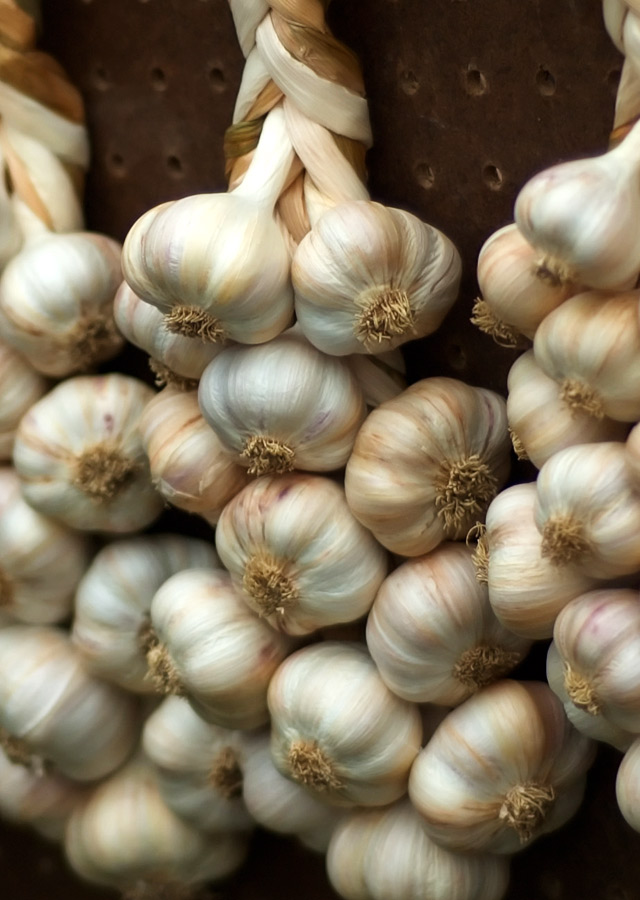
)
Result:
{"points": [[217, 79], [174, 165], [456, 356], [101, 79], [158, 79], [116, 164], [613, 78], [474, 81], [492, 177], [546, 82], [409, 83], [425, 176]]}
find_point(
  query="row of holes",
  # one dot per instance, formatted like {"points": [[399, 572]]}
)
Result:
{"points": [[102, 81], [476, 83], [426, 177]]}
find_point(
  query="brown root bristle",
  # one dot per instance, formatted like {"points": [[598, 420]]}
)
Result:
{"points": [[384, 313], [563, 540], [194, 322], [102, 470], [267, 456], [93, 339], [464, 487], [16, 750], [162, 672], [483, 317], [483, 665], [580, 692], [6, 590], [525, 808], [553, 271], [480, 555], [225, 774], [518, 446], [265, 581], [581, 397], [165, 376], [309, 765], [146, 638]]}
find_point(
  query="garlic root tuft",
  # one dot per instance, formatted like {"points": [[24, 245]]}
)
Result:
{"points": [[93, 338], [483, 317], [525, 808], [480, 556], [194, 322], [102, 470], [385, 314], [480, 666], [267, 456], [226, 775], [563, 540], [308, 764], [265, 581], [518, 446], [162, 672], [462, 487], [580, 692], [18, 751], [553, 271], [581, 397], [166, 376]]}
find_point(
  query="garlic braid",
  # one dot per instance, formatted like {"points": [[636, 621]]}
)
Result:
{"points": [[622, 21]]}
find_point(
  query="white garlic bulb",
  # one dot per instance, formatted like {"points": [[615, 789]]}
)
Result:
{"points": [[124, 835], [41, 561], [217, 265], [386, 855], [338, 730], [544, 416], [591, 347], [113, 602], [426, 464], [297, 555], [20, 387], [282, 405], [80, 458], [53, 711], [174, 358], [598, 529], [208, 646], [188, 464], [503, 768], [580, 216], [368, 277], [526, 589], [56, 301], [628, 785], [432, 633], [199, 767]]}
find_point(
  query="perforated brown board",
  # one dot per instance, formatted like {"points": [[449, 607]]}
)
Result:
{"points": [[467, 99]]}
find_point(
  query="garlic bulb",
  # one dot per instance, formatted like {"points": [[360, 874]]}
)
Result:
{"points": [[199, 767], [297, 555], [124, 836], [338, 730], [279, 804], [597, 636], [41, 561], [208, 646], [545, 416], [386, 855], [628, 785], [188, 464], [113, 601], [516, 294], [217, 265], [598, 529], [56, 301], [503, 768], [426, 464], [282, 405], [368, 277], [79, 456], [526, 589], [432, 633], [632, 455], [20, 387], [175, 358], [580, 216], [591, 347], [53, 712], [593, 726]]}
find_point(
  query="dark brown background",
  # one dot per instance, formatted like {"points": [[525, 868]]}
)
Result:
{"points": [[468, 98]]}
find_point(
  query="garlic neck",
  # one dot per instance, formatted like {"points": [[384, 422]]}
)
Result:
{"points": [[525, 808], [383, 314], [310, 765], [269, 169], [225, 774], [268, 585], [463, 487], [267, 456], [102, 470], [581, 693]]}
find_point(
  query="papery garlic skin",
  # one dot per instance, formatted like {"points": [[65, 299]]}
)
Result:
{"points": [[80, 458], [598, 529], [199, 767], [628, 785], [503, 768], [113, 602], [432, 633], [20, 387], [426, 464], [212, 649], [282, 406], [54, 711], [593, 726], [381, 377], [317, 739], [526, 589], [125, 834], [580, 216], [368, 278], [386, 855], [188, 464], [41, 561], [591, 347], [297, 555], [542, 421], [56, 301], [597, 636]]}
